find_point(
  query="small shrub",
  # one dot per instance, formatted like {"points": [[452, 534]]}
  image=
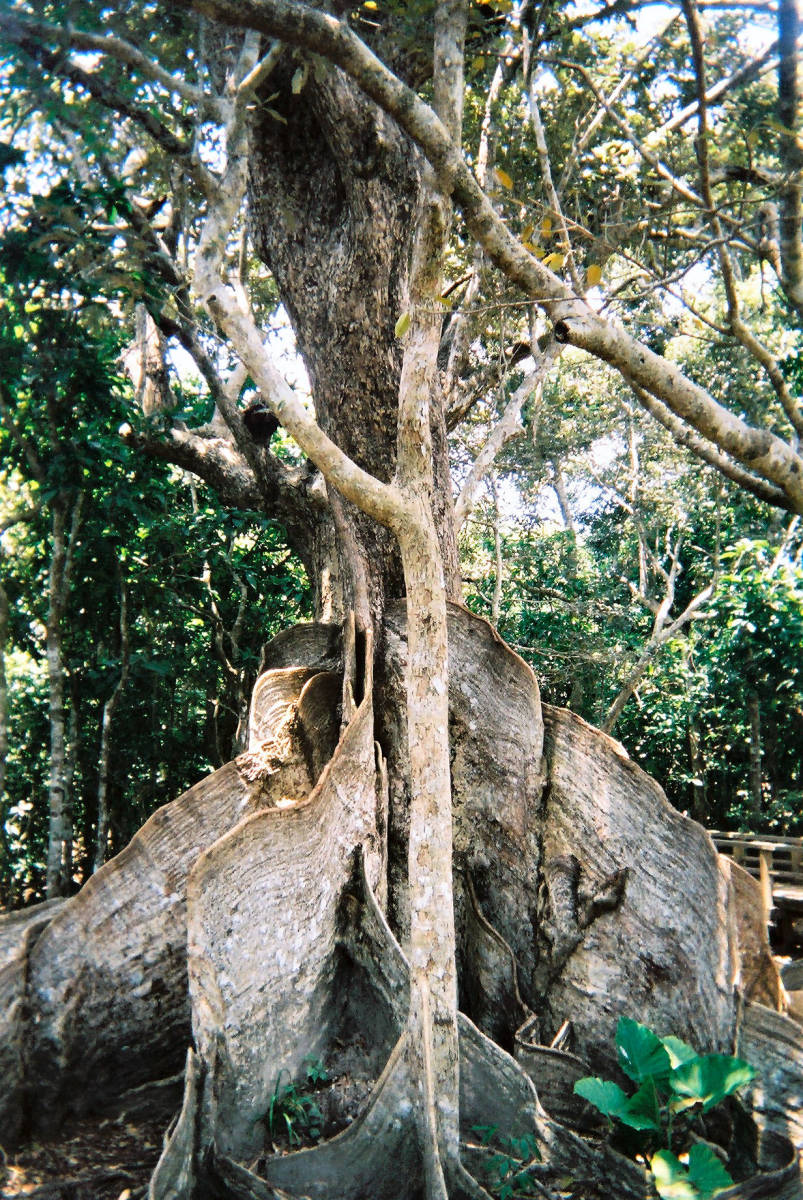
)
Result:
{"points": [[674, 1086], [509, 1167], [293, 1111]]}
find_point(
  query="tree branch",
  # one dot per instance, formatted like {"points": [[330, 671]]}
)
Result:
{"points": [[574, 320], [123, 52], [708, 452], [504, 430], [381, 501], [789, 116], [740, 331], [17, 29]]}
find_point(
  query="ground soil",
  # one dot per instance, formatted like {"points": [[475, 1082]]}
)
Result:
{"points": [[89, 1159]]}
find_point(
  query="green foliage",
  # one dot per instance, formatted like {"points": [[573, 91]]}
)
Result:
{"points": [[567, 608], [315, 1070], [703, 1176], [509, 1168], [293, 1112], [675, 1085], [751, 645], [196, 574]]}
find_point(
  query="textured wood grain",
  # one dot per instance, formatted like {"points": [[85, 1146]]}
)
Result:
{"points": [[107, 979], [773, 1044], [760, 979], [263, 914], [275, 694], [312, 644], [664, 953], [18, 934], [496, 734]]}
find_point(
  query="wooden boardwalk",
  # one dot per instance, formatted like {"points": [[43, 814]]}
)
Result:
{"points": [[778, 865]]}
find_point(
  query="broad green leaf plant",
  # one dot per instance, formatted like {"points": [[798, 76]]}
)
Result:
{"points": [[674, 1084]]}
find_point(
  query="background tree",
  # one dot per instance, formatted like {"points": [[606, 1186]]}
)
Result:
{"points": [[165, 605]]}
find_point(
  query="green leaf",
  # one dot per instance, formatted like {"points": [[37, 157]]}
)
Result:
{"points": [[679, 1051], [706, 1171], [299, 79], [671, 1178], [402, 325], [605, 1095], [641, 1052], [708, 1079], [642, 1110]]}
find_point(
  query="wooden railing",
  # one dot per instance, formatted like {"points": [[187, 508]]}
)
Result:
{"points": [[777, 862]]}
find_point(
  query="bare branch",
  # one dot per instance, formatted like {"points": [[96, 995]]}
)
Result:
{"points": [[789, 116], [553, 199], [574, 320], [662, 634], [580, 144], [58, 64], [260, 72], [758, 66], [740, 331], [123, 52], [504, 430], [459, 331], [224, 302], [708, 452]]}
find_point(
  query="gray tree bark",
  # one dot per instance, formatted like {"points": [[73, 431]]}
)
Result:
{"points": [[565, 910]]}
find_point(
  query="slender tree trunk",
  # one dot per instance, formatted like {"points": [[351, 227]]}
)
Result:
{"points": [[754, 711], [699, 787], [4, 615], [631, 682], [61, 558], [55, 670], [70, 759], [433, 993], [102, 840], [496, 602]]}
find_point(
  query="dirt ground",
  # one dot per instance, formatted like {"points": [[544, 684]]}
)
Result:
{"points": [[90, 1159]]}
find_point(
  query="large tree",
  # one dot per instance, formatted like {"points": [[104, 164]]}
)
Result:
{"points": [[396, 845]]}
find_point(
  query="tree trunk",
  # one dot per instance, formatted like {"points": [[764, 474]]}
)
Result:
{"points": [[59, 846], [560, 864], [68, 820], [55, 671], [334, 194], [755, 774], [4, 614], [697, 766], [104, 758]]}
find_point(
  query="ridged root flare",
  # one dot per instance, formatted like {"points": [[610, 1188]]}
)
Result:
{"points": [[260, 917]]}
